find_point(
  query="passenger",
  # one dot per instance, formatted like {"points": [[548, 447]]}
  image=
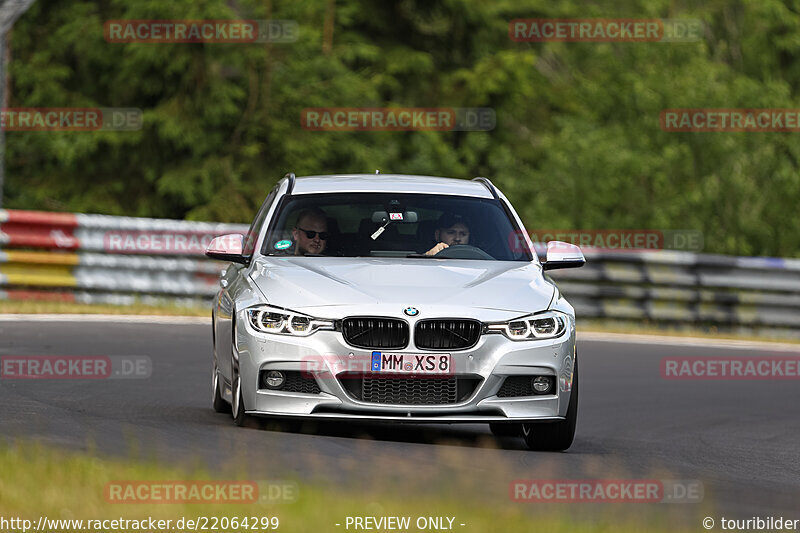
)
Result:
{"points": [[450, 230], [311, 232]]}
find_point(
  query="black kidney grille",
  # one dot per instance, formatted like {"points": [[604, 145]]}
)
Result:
{"points": [[375, 332], [447, 334]]}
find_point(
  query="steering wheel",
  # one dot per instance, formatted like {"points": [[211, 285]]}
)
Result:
{"points": [[462, 251]]}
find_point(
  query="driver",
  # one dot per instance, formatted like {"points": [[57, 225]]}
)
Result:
{"points": [[451, 229], [311, 232]]}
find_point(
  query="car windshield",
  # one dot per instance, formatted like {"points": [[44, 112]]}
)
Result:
{"points": [[393, 225]]}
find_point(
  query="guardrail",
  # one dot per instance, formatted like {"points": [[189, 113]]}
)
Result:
{"points": [[105, 259], [121, 260], [668, 286]]}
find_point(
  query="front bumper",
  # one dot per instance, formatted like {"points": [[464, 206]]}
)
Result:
{"points": [[327, 358]]}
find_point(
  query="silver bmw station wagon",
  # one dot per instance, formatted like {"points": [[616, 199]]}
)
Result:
{"points": [[395, 298]]}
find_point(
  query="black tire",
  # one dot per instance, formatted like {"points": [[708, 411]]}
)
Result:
{"points": [[238, 408], [506, 430], [237, 398], [555, 436], [218, 403]]}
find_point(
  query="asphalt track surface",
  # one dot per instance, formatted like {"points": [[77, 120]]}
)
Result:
{"points": [[740, 438]]}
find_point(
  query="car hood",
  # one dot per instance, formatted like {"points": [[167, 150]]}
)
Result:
{"points": [[387, 286]]}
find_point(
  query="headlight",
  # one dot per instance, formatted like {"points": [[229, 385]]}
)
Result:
{"points": [[547, 325], [268, 319]]}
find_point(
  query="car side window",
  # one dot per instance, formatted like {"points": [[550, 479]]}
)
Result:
{"points": [[250, 239]]}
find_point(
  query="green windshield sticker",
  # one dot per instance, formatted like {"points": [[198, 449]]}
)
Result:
{"points": [[282, 245]]}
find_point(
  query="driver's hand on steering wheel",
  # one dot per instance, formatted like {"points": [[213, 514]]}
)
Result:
{"points": [[436, 249]]}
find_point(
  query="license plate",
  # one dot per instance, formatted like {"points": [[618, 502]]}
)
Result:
{"points": [[411, 363]]}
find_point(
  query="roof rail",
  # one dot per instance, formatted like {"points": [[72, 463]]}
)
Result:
{"points": [[290, 175], [488, 185]]}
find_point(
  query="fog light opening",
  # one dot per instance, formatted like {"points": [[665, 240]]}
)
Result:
{"points": [[274, 379], [542, 384]]}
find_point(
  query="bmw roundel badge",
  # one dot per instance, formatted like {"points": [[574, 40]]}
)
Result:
{"points": [[411, 311]]}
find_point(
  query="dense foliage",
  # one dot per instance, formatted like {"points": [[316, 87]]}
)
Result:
{"points": [[577, 143]]}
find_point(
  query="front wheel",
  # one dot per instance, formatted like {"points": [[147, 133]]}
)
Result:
{"points": [[217, 402], [237, 407], [237, 397], [555, 436]]}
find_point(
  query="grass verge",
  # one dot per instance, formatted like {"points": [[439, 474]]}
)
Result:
{"points": [[40, 481]]}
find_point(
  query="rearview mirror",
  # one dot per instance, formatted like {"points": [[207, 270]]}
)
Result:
{"points": [[227, 248], [406, 217], [563, 255]]}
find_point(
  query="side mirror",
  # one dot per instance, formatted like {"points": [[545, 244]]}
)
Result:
{"points": [[563, 255], [227, 248]]}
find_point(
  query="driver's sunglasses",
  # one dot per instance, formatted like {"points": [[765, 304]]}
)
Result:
{"points": [[311, 234]]}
